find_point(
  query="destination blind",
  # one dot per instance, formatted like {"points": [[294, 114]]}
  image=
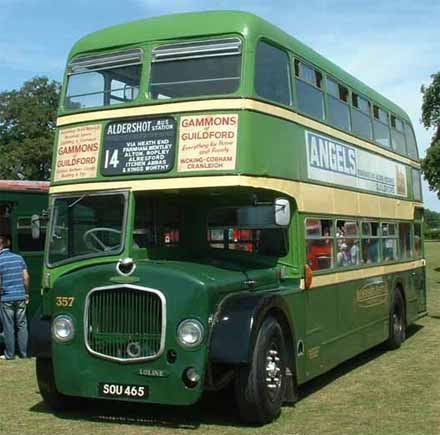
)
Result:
{"points": [[139, 146]]}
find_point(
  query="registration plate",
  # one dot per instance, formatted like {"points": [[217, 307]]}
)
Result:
{"points": [[123, 391]]}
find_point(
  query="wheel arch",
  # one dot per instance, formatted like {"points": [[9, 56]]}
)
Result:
{"points": [[240, 317]]}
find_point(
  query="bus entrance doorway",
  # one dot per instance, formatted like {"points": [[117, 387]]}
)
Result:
{"points": [[5, 219]]}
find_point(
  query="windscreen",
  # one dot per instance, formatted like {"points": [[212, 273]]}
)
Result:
{"points": [[194, 69], [86, 226], [103, 80]]}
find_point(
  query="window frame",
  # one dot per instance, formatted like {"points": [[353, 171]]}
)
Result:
{"points": [[298, 60], [330, 237], [378, 237], [329, 95], [401, 132], [380, 121], [150, 61], [107, 83], [290, 73], [364, 113]]}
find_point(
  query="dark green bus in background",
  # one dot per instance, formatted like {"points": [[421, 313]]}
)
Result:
{"points": [[23, 204], [226, 206]]}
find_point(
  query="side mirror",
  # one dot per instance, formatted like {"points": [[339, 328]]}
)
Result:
{"points": [[282, 212], [35, 226]]}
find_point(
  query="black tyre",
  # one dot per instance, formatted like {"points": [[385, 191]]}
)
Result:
{"points": [[397, 322], [48, 390], [260, 387]]}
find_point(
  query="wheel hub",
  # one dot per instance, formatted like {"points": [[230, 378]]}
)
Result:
{"points": [[273, 370]]}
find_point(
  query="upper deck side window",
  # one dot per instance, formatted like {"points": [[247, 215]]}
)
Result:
{"points": [[398, 135], [360, 116], [103, 80], [309, 90], [380, 127], [338, 108], [411, 142], [192, 69], [272, 74]]}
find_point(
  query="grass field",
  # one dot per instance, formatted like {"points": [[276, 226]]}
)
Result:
{"points": [[376, 393]]}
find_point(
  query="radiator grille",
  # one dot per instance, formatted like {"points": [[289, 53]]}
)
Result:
{"points": [[125, 323]]}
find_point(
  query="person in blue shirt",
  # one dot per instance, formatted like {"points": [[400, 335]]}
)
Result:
{"points": [[14, 296]]}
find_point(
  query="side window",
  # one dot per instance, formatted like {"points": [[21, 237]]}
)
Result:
{"points": [[411, 142], [272, 74], [380, 127], [398, 135], [370, 243], [338, 108], [223, 233], [360, 116], [417, 186], [389, 242], [26, 243], [348, 250], [319, 237], [405, 240], [309, 90], [417, 240]]}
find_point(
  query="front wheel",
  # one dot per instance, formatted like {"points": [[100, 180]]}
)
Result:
{"points": [[260, 387], [46, 384], [397, 323]]}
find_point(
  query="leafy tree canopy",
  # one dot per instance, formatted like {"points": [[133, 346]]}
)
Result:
{"points": [[432, 218], [431, 119], [27, 126]]}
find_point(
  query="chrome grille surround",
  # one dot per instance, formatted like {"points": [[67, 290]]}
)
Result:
{"points": [[126, 290]]}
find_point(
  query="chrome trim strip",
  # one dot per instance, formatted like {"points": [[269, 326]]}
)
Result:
{"points": [[197, 49], [134, 287]]}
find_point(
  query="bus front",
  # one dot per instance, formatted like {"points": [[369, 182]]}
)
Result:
{"points": [[162, 245]]}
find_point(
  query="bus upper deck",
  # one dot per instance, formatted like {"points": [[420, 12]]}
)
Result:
{"points": [[245, 99]]}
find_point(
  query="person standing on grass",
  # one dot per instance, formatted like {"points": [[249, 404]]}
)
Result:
{"points": [[14, 296]]}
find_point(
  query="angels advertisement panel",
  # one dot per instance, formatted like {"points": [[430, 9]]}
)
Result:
{"points": [[342, 164]]}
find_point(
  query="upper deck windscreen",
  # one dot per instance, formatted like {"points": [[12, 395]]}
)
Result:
{"points": [[103, 80], [192, 69]]}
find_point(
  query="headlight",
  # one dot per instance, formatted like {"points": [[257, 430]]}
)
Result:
{"points": [[63, 329], [190, 333]]}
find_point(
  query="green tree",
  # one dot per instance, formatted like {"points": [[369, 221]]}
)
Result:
{"points": [[432, 219], [27, 126], [431, 119]]}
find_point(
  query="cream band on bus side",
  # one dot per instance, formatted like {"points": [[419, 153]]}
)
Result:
{"points": [[207, 142], [343, 164], [77, 153]]}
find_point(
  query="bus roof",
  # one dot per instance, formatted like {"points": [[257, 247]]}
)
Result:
{"points": [[200, 24], [24, 186]]}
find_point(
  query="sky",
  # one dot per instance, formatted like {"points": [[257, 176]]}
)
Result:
{"points": [[390, 45]]}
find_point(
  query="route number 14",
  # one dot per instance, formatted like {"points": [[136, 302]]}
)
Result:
{"points": [[111, 160]]}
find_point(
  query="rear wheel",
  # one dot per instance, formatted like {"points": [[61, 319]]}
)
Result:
{"points": [[397, 322], [260, 387], [46, 384]]}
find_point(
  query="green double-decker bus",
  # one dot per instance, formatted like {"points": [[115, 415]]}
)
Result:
{"points": [[23, 217], [227, 206]]}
